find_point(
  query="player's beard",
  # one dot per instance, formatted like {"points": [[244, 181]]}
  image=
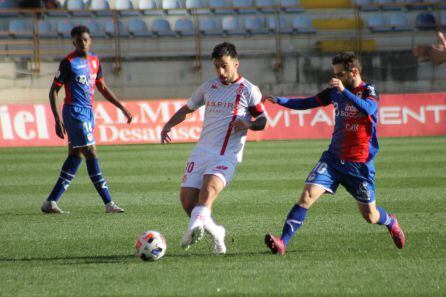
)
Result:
{"points": [[348, 83]]}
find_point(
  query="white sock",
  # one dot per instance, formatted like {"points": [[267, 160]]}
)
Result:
{"points": [[210, 226], [198, 217]]}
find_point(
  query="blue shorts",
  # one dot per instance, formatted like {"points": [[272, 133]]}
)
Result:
{"points": [[79, 125], [357, 178]]}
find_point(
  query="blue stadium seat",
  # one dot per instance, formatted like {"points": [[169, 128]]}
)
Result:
{"points": [[231, 26], [77, 8], [388, 4], [221, 6], [110, 30], [209, 26], [302, 24], [271, 24], [173, 7], [125, 8], [365, 5], [198, 6], [292, 6], [242, 6], [46, 30], [378, 23], [20, 28], [265, 6], [400, 22], [150, 7], [416, 5], [161, 27], [443, 19], [138, 28], [94, 27], [100, 7], [64, 28], [184, 27], [425, 21], [9, 4], [255, 25]]}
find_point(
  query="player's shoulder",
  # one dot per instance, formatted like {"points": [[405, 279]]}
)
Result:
{"points": [[369, 90], [249, 85]]}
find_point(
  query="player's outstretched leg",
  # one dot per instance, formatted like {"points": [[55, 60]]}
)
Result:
{"points": [[275, 244], [67, 174], [397, 233], [100, 184], [218, 234], [195, 230]]}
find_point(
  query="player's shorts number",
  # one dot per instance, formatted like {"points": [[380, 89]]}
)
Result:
{"points": [[190, 166], [320, 167], [88, 127]]}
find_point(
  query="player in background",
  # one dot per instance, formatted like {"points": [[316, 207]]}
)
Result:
{"points": [[80, 72], [230, 102], [349, 160], [436, 53]]}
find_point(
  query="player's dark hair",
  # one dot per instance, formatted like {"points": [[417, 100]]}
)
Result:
{"points": [[348, 59], [79, 30], [224, 49]]}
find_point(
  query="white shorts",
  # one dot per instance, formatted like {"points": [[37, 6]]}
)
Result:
{"points": [[201, 163]]}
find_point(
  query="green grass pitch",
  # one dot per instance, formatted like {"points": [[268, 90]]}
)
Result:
{"points": [[336, 253]]}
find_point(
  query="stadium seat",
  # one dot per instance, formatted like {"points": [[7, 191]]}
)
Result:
{"points": [[365, 5], [20, 28], [161, 27], [173, 7], [125, 8], [150, 7], [46, 30], [388, 4], [138, 28], [399, 22], [255, 25], [378, 23], [425, 21], [443, 19], [95, 28], [291, 6], [64, 27], [302, 24], [9, 4], [221, 6], [416, 5], [266, 6], [231, 26], [77, 8], [110, 30], [271, 24], [101, 7], [209, 26], [198, 6], [184, 27], [243, 6]]}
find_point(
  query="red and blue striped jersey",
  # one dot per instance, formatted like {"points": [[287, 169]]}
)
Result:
{"points": [[79, 76]]}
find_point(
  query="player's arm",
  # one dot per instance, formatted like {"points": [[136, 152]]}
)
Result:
{"points": [[257, 125], [301, 103], [54, 91], [367, 105], [176, 119], [108, 94]]}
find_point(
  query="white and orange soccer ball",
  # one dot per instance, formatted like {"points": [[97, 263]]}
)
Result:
{"points": [[151, 246]]}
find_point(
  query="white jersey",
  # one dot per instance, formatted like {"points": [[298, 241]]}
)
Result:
{"points": [[224, 104]]}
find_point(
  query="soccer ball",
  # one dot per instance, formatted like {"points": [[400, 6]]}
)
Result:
{"points": [[151, 246]]}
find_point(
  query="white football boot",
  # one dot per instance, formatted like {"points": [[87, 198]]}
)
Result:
{"points": [[219, 240], [191, 237], [51, 207], [112, 207]]}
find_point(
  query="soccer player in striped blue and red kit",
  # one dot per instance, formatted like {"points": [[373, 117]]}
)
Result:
{"points": [[80, 72], [349, 160]]}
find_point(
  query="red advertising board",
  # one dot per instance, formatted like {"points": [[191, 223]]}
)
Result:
{"points": [[399, 115]]}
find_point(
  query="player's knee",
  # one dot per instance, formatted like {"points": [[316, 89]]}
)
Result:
{"points": [[89, 152], [307, 199]]}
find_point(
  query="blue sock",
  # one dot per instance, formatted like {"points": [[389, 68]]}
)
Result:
{"points": [[67, 173], [384, 218], [294, 220], [98, 181]]}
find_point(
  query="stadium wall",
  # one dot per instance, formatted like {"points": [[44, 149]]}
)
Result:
{"points": [[399, 115]]}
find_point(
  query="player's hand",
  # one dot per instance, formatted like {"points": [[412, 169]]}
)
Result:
{"points": [[240, 125], [60, 129], [127, 114], [271, 99], [165, 138], [337, 83]]}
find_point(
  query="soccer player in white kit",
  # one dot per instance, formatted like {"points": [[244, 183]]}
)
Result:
{"points": [[230, 102]]}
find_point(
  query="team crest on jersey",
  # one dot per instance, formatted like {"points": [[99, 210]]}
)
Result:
{"points": [[239, 90], [214, 86], [82, 79], [371, 90]]}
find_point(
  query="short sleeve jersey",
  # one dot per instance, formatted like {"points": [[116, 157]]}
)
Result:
{"points": [[79, 76], [354, 137], [224, 104]]}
